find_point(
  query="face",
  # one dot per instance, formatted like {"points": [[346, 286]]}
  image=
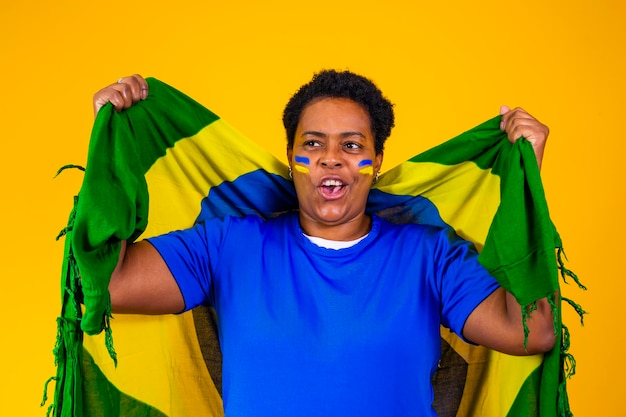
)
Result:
{"points": [[333, 162]]}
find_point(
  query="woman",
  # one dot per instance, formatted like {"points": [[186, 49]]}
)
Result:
{"points": [[328, 311]]}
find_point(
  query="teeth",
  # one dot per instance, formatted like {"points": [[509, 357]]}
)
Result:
{"points": [[331, 183]]}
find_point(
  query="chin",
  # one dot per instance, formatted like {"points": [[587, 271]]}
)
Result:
{"points": [[336, 217]]}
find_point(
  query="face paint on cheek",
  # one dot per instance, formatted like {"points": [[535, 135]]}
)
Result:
{"points": [[366, 167], [302, 163]]}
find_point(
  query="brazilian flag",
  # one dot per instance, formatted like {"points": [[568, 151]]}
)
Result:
{"points": [[168, 162]]}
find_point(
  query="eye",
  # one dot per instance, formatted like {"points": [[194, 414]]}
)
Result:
{"points": [[311, 144], [352, 146]]}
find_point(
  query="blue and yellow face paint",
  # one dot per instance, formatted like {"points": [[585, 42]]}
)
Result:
{"points": [[366, 167], [302, 164]]}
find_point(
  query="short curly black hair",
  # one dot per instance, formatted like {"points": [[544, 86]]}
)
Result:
{"points": [[342, 84]]}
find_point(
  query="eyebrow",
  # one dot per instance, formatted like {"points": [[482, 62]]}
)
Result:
{"points": [[322, 135]]}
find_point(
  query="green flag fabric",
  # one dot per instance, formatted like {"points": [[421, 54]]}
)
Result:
{"points": [[168, 162]]}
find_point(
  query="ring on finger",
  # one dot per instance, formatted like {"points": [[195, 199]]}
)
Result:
{"points": [[120, 80]]}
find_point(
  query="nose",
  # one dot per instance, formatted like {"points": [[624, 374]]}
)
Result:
{"points": [[331, 158]]}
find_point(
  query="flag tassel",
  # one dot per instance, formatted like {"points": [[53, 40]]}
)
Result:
{"points": [[68, 345], [568, 369], [565, 272]]}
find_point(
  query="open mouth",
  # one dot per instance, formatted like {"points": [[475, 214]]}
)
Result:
{"points": [[332, 188]]}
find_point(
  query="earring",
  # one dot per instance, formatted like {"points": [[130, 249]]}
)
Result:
{"points": [[376, 177], [290, 173]]}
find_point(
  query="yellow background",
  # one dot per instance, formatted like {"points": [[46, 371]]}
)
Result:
{"points": [[447, 65]]}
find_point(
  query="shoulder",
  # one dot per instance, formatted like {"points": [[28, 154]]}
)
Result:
{"points": [[415, 230], [424, 236], [253, 225], [286, 220], [250, 220]]}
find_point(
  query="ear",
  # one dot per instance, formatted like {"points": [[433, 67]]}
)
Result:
{"points": [[289, 155], [378, 162]]}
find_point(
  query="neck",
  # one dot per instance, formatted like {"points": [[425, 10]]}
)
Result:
{"points": [[344, 231]]}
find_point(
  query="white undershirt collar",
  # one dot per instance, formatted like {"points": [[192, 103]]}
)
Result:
{"points": [[334, 244]]}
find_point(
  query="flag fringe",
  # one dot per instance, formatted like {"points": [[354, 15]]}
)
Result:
{"points": [[69, 166], [578, 308], [45, 389], [108, 334], [567, 360], [568, 369], [67, 349], [565, 272], [68, 323], [526, 312]]}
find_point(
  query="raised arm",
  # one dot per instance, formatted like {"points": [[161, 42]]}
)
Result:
{"points": [[497, 322], [141, 283]]}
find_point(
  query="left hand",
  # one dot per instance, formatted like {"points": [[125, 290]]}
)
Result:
{"points": [[519, 123]]}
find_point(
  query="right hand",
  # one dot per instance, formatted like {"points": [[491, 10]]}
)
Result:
{"points": [[122, 94]]}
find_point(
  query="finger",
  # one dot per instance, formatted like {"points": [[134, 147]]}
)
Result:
{"points": [[512, 118], [133, 89], [108, 95], [120, 95], [503, 111], [129, 96], [528, 127], [138, 86]]}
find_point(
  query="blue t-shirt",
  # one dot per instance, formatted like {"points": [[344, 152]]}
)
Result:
{"points": [[310, 331]]}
